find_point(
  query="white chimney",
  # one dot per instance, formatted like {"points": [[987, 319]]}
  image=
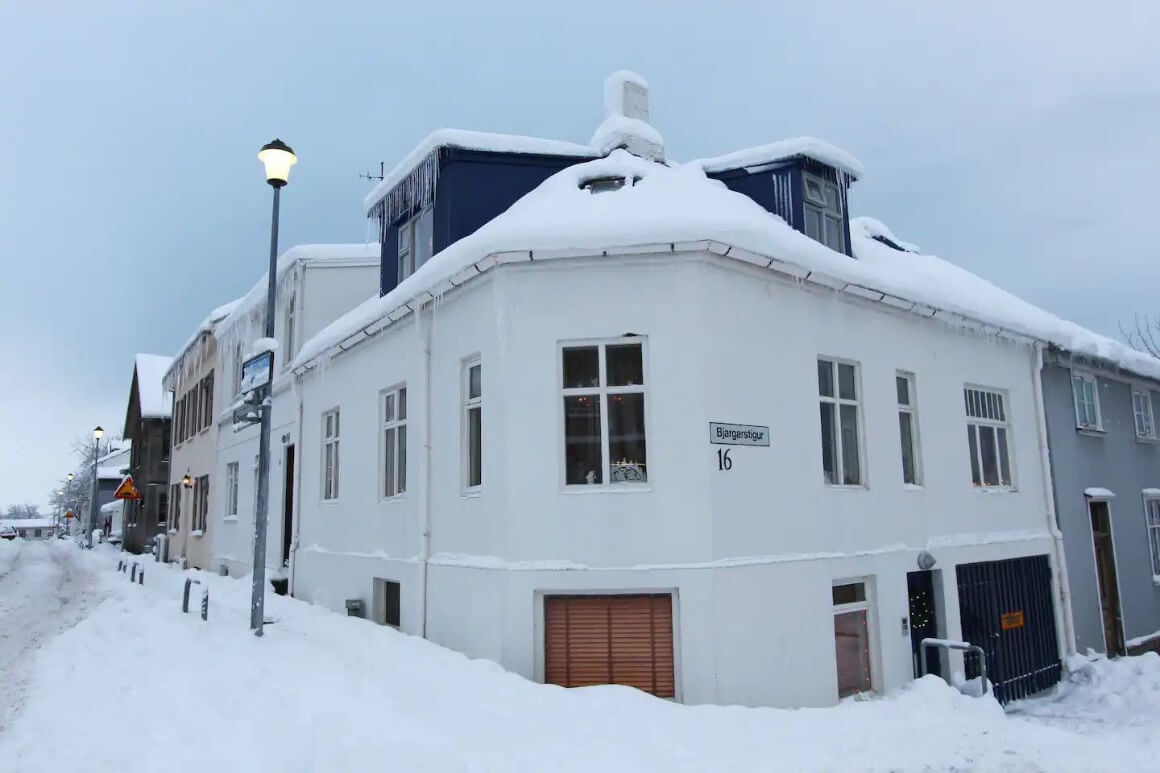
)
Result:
{"points": [[626, 118]]}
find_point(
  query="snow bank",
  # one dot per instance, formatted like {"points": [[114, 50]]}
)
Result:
{"points": [[155, 401], [323, 692], [469, 140]]}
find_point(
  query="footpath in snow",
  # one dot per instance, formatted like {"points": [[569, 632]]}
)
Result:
{"points": [[137, 686]]}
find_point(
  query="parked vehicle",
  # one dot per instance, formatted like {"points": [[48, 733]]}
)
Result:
{"points": [[8, 533]]}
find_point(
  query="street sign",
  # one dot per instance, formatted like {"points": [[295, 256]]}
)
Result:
{"points": [[70, 514], [127, 490], [257, 372], [245, 415], [738, 434]]}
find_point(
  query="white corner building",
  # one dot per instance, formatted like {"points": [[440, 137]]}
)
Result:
{"points": [[686, 427]]}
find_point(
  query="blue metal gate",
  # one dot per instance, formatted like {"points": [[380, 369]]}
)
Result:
{"points": [[1007, 608]]}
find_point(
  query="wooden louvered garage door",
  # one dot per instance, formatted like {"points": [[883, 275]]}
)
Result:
{"points": [[610, 640]]}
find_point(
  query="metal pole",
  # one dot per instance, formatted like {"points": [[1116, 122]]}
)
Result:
{"points": [[258, 597], [93, 501]]}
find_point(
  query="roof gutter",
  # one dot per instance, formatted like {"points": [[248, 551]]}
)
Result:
{"points": [[782, 268]]}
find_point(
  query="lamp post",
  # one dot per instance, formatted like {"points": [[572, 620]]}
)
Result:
{"points": [[60, 505], [277, 157], [68, 501], [98, 433]]}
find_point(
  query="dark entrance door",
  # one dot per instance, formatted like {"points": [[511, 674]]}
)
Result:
{"points": [[923, 621], [1008, 608], [1106, 573], [288, 506]]}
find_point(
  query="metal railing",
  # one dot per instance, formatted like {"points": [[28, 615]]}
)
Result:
{"points": [[962, 646], [189, 581]]}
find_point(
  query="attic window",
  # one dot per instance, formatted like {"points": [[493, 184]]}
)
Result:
{"points": [[605, 184], [823, 212]]}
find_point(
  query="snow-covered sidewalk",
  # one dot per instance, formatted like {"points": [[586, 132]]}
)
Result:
{"points": [[137, 686]]}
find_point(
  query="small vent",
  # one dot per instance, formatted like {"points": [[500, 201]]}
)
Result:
{"points": [[605, 184]]}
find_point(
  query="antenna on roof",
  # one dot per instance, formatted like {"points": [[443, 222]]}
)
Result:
{"points": [[371, 176]]}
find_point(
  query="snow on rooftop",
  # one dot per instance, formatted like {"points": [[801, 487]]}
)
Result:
{"points": [[680, 204], [154, 400], [301, 253], [811, 147], [470, 140], [27, 523], [207, 326], [111, 472]]}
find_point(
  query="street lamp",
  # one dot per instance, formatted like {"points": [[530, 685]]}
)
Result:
{"points": [[277, 157], [98, 433]]}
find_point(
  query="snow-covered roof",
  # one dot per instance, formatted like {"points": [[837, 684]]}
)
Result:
{"points": [[678, 203], [809, 147], [112, 507], [471, 140], [155, 402], [302, 253], [207, 326], [27, 523]]}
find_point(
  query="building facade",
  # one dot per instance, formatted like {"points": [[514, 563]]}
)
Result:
{"points": [[1105, 456], [147, 426], [316, 283], [706, 456]]}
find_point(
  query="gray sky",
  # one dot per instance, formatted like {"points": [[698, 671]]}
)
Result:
{"points": [[1019, 139]]}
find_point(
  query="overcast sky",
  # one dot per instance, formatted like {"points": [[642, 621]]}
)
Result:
{"points": [[1019, 139]]}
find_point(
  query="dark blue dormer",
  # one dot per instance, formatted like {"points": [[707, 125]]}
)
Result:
{"points": [[449, 195], [809, 195]]}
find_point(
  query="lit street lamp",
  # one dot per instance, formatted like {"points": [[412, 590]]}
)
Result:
{"points": [[98, 433], [277, 157]]}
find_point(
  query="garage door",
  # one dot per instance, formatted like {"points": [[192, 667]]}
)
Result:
{"points": [[610, 640]]}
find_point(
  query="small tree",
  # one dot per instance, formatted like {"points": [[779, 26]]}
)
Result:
{"points": [[75, 494], [23, 512]]}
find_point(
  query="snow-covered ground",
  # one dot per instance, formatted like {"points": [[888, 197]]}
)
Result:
{"points": [[137, 686]]}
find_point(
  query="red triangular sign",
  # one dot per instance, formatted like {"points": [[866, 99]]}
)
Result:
{"points": [[126, 490]]}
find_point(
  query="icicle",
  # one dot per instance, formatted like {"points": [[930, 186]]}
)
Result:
{"points": [[417, 189]]}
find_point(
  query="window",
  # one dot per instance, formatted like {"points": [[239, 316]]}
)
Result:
{"points": [[1087, 408], [987, 431], [839, 396], [604, 427], [1142, 410], [823, 212], [908, 428], [36, 532], [207, 401], [194, 410], [1152, 515], [175, 503], [472, 424], [385, 602], [852, 639], [394, 441], [330, 454], [201, 503], [288, 327], [162, 509], [416, 242], [232, 489]]}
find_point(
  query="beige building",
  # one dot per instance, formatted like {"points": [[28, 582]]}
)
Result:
{"points": [[194, 380]]}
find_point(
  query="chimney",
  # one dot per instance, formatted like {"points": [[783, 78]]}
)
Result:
{"points": [[626, 119]]}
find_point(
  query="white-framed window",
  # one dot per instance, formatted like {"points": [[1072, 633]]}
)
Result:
{"points": [[1152, 521], [330, 434], [839, 396], [1142, 411], [416, 242], [852, 639], [200, 503], [822, 203], [988, 437], [394, 434], [232, 489], [472, 423], [908, 428], [604, 412], [288, 327], [1085, 390]]}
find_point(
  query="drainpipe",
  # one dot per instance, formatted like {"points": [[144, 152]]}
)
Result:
{"points": [[295, 521], [425, 539], [1049, 495]]}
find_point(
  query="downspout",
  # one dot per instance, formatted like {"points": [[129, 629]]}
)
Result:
{"points": [[295, 521], [425, 538], [1049, 496]]}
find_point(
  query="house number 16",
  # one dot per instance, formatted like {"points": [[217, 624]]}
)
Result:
{"points": [[723, 460]]}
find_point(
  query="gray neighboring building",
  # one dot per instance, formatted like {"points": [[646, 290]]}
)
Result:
{"points": [[1105, 460]]}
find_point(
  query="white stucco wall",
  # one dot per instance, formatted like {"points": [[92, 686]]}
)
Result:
{"points": [[751, 553]]}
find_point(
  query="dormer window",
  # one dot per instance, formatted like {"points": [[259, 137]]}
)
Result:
{"points": [[416, 242], [823, 212]]}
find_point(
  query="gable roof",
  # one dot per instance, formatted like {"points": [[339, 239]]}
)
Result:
{"points": [[678, 203], [797, 147]]}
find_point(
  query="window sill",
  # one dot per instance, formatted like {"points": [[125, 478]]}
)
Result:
{"points": [[1156, 580], [325, 502], [197, 533], [387, 500], [607, 488], [471, 493], [229, 519], [1147, 441], [1091, 431], [172, 532], [912, 487], [995, 489], [845, 486]]}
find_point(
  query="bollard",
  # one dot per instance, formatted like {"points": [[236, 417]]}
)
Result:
{"points": [[141, 576], [205, 603], [185, 593], [133, 574], [120, 564]]}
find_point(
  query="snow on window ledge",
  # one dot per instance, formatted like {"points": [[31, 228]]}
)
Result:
{"points": [[990, 490], [172, 531], [197, 533], [471, 493], [605, 488], [1091, 431], [1156, 579], [1147, 439], [229, 519], [911, 487]]}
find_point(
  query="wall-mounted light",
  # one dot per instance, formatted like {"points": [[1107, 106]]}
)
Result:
{"points": [[926, 561], [186, 480]]}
